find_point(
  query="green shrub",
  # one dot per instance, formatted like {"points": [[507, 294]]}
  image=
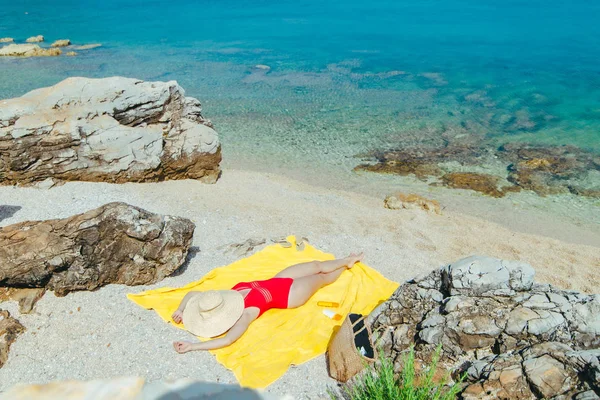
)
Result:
{"points": [[379, 382]]}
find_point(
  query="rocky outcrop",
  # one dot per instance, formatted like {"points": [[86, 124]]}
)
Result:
{"points": [[35, 39], [61, 43], [132, 388], [113, 129], [411, 201], [513, 338], [115, 243], [10, 328], [6, 40], [27, 50]]}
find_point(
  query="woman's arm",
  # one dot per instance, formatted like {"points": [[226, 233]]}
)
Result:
{"points": [[236, 331], [178, 314]]}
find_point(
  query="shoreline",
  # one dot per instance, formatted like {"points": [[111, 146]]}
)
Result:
{"points": [[80, 336], [569, 218]]}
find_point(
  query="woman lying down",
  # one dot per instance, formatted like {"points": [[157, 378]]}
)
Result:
{"points": [[214, 312]]}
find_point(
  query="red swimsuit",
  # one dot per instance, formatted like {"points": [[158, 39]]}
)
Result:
{"points": [[264, 295]]}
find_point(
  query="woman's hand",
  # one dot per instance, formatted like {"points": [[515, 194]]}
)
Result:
{"points": [[183, 347], [177, 316]]}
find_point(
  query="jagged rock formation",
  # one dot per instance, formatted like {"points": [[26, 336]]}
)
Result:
{"points": [[513, 339], [113, 129], [115, 243]]}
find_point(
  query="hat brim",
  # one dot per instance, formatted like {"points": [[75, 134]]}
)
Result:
{"points": [[217, 322]]}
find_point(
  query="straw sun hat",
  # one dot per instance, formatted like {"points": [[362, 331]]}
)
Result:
{"points": [[211, 313]]}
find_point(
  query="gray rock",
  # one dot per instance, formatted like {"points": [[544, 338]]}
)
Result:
{"points": [[513, 338], [113, 129], [478, 275]]}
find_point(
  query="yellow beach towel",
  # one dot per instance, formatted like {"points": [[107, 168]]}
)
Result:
{"points": [[279, 338]]}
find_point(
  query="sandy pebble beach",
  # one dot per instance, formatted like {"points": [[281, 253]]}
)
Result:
{"points": [[101, 334]]}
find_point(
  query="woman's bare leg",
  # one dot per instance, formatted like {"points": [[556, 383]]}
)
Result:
{"points": [[319, 267], [305, 287]]}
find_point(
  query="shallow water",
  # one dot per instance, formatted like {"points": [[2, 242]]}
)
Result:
{"points": [[345, 77]]}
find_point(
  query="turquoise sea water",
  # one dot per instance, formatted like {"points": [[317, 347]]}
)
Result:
{"points": [[345, 76]]}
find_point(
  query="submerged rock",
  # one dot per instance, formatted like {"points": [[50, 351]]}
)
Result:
{"points": [[10, 328], [262, 67], [27, 50], [113, 130], [513, 338], [422, 161], [543, 169], [71, 53], [483, 183], [35, 39], [86, 46], [61, 43], [115, 243], [549, 169], [400, 201]]}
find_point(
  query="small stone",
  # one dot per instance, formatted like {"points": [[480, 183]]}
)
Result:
{"points": [[71, 53], [10, 328], [411, 201], [35, 39], [46, 183]]}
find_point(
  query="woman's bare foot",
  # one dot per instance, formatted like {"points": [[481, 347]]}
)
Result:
{"points": [[353, 258], [177, 316], [182, 347]]}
